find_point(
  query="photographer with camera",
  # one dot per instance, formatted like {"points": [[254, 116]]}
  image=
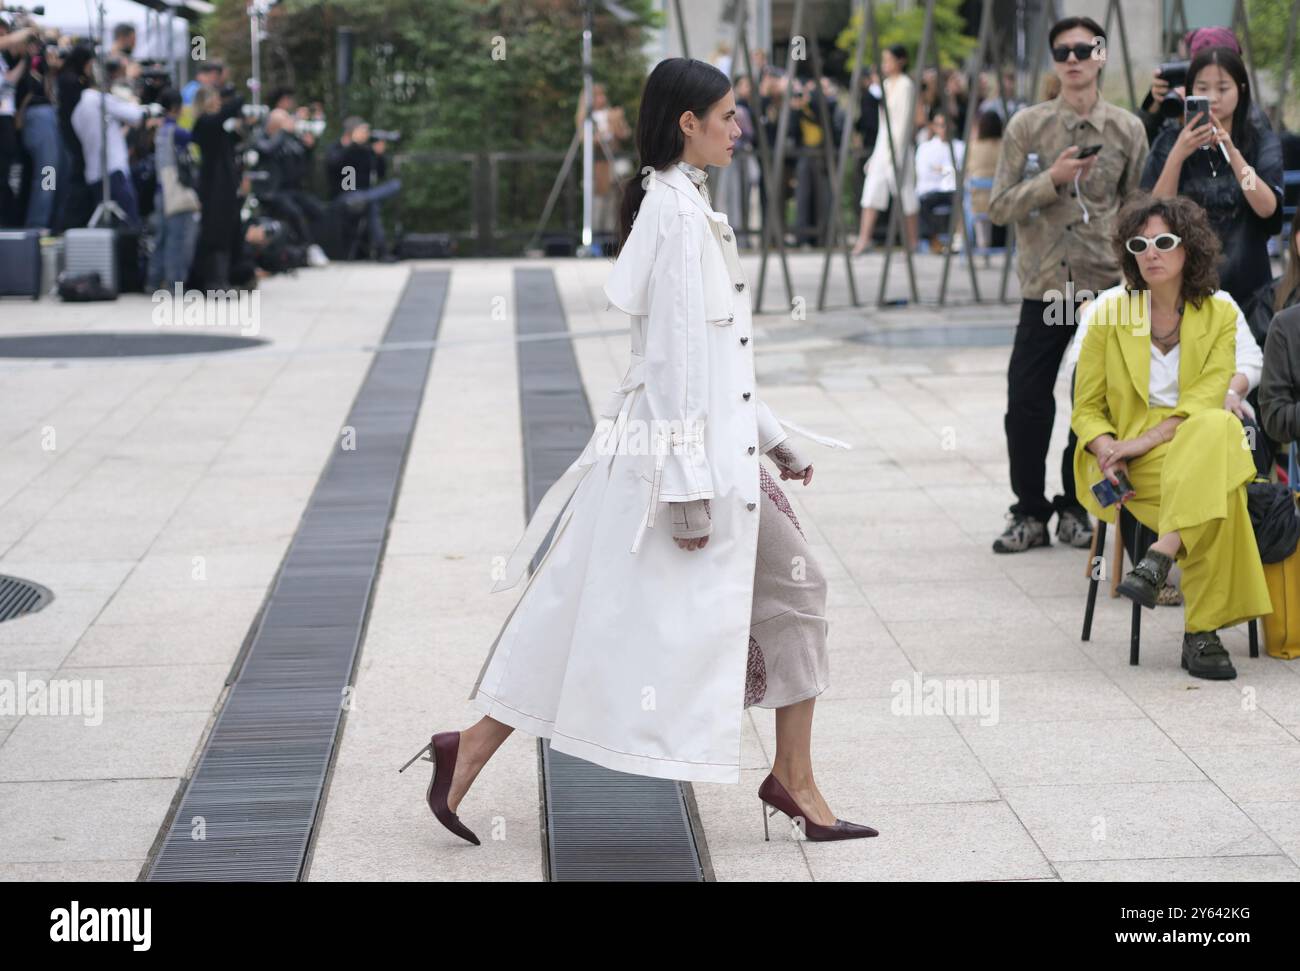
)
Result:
{"points": [[1162, 109], [86, 125], [354, 168], [1227, 159], [283, 156]]}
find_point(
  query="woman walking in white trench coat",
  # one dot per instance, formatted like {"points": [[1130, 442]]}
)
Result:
{"points": [[678, 588]]}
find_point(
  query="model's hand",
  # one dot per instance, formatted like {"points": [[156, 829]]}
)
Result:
{"points": [[692, 523], [791, 463], [805, 475]]}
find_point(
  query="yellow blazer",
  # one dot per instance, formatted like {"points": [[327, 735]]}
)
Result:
{"points": [[1113, 380]]}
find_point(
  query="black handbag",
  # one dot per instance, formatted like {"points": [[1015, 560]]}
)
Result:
{"points": [[1274, 518], [83, 287]]}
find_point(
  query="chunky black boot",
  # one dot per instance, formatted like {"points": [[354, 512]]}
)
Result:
{"points": [[1204, 656], [1144, 581]]}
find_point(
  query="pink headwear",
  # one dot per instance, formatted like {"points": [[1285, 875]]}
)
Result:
{"points": [[1203, 37]]}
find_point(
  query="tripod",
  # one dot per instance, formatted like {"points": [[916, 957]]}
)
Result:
{"points": [[107, 208], [585, 135]]}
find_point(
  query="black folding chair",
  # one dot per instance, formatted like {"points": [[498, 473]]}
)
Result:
{"points": [[1142, 540]]}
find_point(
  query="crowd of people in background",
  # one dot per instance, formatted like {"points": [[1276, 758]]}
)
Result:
{"points": [[1179, 204], [220, 192]]}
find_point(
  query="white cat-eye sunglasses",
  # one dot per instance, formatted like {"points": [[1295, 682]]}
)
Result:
{"points": [[1163, 242]]}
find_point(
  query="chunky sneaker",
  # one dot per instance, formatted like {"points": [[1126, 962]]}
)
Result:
{"points": [[1204, 656], [1144, 581], [1022, 533], [1074, 528]]}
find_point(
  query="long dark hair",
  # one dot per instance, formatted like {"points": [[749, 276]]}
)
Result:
{"points": [[675, 86], [1243, 133]]}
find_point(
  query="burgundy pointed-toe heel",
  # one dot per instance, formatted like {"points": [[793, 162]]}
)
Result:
{"points": [[772, 793], [442, 749]]}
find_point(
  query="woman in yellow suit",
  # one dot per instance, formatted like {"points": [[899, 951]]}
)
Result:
{"points": [[1148, 401]]}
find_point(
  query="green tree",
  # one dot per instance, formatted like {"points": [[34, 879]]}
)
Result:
{"points": [[453, 76], [954, 45]]}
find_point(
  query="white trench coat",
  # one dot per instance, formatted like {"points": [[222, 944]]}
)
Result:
{"points": [[624, 649]]}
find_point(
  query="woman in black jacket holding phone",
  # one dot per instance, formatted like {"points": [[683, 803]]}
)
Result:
{"points": [[1230, 164]]}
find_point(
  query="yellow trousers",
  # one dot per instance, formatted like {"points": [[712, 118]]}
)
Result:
{"points": [[1196, 484]]}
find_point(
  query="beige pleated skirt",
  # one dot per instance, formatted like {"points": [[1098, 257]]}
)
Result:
{"points": [[787, 635]]}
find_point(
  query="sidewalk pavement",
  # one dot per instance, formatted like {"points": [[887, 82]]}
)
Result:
{"points": [[1092, 769]]}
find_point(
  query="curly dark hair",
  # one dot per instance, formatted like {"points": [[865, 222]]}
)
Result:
{"points": [[1186, 219]]}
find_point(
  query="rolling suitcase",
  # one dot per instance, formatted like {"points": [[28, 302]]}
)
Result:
{"points": [[92, 251], [20, 263]]}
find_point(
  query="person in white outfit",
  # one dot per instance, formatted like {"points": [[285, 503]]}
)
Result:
{"points": [[645, 632], [899, 100]]}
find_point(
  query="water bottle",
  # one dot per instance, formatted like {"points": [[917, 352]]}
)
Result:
{"points": [[1032, 168]]}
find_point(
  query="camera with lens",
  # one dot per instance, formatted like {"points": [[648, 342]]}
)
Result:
{"points": [[1175, 73]]}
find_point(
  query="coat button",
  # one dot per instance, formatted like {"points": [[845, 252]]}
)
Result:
{"points": [[740, 286], [746, 395], [751, 450], [744, 340], [730, 317], [727, 237], [749, 505]]}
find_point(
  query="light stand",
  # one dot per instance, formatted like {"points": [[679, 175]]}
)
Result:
{"points": [[588, 131], [107, 207], [257, 11]]}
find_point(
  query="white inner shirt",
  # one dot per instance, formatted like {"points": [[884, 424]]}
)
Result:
{"points": [[1163, 388]]}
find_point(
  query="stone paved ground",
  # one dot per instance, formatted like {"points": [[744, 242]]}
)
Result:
{"points": [[1093, 769]]}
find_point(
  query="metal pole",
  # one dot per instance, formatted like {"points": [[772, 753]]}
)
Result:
{"points": [[959, 203], [841, 169], [587, 161]]}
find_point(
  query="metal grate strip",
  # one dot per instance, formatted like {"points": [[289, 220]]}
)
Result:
{"points": [[248, 811], [601, 825]]}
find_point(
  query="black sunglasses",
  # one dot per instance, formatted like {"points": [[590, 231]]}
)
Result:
{"points": [[1061, 52]]}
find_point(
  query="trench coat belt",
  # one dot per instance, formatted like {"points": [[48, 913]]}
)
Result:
{"points": [[602, 440]]}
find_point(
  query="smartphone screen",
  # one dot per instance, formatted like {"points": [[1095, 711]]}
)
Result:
{"points": [[1088, 152]]}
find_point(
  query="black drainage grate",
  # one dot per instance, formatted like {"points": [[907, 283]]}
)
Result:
{"points": [[18, 597], [601, 825], [249, 811], [122, 344]]}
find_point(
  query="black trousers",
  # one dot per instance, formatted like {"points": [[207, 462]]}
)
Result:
{"points": [[1031, 408]]}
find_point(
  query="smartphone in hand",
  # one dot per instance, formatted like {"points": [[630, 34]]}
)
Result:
{"points": [[1108, 493], [1196, 111]]}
